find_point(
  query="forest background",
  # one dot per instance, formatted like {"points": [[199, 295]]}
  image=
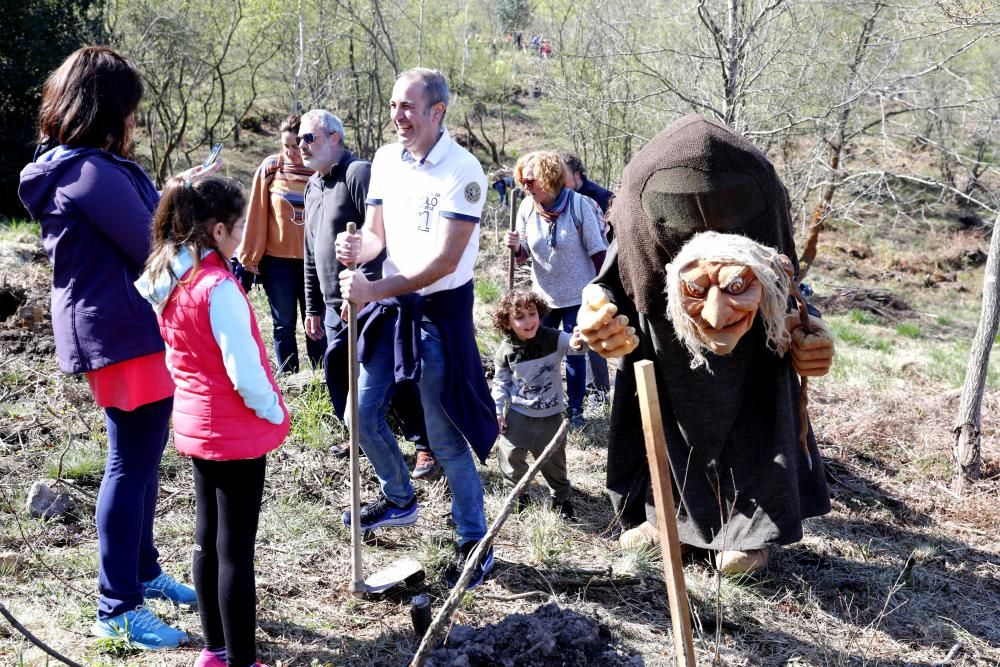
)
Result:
{"points": [[840, 93]]}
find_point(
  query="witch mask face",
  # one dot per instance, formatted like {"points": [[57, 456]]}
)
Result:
{"points": [[721, 299], [717, 285]]}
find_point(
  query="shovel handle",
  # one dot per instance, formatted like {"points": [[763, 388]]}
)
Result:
{"points": [[357, 569]]}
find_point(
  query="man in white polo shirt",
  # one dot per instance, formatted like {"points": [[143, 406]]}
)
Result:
{"points": [[424, 203]]}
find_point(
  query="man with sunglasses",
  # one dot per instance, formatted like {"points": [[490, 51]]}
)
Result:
{"points": [[334, 196], [424, 207]]}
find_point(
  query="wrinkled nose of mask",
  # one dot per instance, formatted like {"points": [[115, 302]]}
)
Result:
{"points": [[716, 311]]}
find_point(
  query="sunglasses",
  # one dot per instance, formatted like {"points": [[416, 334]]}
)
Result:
{"points": [[307, 137], [528, 182]]}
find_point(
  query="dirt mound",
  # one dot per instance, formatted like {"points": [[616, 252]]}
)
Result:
{"points": [[548, 637], [884, 304]]}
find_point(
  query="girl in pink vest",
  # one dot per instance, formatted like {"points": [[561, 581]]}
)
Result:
{"points": [[228, 411]]}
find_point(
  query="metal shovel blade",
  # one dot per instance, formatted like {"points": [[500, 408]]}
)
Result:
{"points": [[398, 571]]}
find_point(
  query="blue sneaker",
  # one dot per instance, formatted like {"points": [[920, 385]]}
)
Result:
{"points": [[384, 512], [142, 628], [166, 587], [482, 568]]}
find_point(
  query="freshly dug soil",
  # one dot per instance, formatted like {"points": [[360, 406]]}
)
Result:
{"points": [[548, 637]]}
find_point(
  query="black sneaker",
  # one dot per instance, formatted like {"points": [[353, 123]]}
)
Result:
{"points": [[343, 451], [384, 512], [479, 573], [576, 418], [564, 507]]}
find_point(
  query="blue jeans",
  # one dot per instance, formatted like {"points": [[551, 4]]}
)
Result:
{"points": [[576, 365], [599, 369], [283, 280], [375, 386], [404, 399], [126, 503]]}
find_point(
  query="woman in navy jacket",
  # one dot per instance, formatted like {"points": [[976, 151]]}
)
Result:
{"points": [[95, 207]]}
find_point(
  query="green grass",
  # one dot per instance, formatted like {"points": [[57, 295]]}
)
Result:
{"points": [[857, 335], [487, 291], [861, 316], [82, 461], [16, 229], [909, 330], [313, 422]]}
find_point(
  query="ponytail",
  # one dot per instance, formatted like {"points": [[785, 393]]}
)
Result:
{"points": [[187, 212]]}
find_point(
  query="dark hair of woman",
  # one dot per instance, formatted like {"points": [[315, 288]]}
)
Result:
{"points": [[89, 101], [187, 213], [290, 124]]}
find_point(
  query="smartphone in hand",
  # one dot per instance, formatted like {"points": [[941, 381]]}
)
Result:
{"points": [[213, 156]]}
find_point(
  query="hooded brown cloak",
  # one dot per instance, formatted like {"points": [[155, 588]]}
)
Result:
{"points": [[741, 479]]}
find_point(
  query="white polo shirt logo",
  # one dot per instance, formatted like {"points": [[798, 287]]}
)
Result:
{"points": [[426, 210]]}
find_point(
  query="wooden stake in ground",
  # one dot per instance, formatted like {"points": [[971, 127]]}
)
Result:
{"points": [[666, 523], [443, 617], [967, 438]]}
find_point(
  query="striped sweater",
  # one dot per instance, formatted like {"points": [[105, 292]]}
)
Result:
{"points": [[275, 219]]}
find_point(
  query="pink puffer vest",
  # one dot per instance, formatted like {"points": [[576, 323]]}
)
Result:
{"points": [[210, 419]]}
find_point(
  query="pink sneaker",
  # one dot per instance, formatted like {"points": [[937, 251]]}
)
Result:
{"points": [[207, 659]]}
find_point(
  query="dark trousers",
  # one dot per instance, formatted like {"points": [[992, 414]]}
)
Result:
{"points": [[228, 495], [576, 365], [283, 280], [406, 416], [126, 503]]}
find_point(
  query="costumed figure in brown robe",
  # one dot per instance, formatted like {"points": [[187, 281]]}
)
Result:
{"points": [[729, 394]]}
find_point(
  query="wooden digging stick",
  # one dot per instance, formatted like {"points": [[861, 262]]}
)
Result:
{"points": [[512, 260], [430, 640], [663, 496], [357, 587]]}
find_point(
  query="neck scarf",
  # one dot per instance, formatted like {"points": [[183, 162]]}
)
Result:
{"points": [[551, 215]]}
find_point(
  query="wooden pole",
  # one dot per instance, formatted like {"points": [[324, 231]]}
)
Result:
{"points": [[512, 260], [663, 496], [357, 570]]}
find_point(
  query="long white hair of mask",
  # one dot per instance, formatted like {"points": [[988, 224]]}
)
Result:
{"points": [[767, 264]]}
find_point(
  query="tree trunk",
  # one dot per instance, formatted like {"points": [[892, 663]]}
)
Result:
{"points": [[967, 436]]}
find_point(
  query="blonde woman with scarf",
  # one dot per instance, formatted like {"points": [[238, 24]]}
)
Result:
{"points": [[561, 231]]}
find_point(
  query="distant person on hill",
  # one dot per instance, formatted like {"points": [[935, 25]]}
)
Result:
{"points": [[561, 232], [335, 196], [527, 389], [273, 245], [95, 206], [228, 411]]}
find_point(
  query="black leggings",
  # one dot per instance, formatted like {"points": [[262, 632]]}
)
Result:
{"points": [[229, 495]]}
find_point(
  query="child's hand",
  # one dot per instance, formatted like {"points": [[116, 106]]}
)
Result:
{"points": [[577, 341], [502, 423]]}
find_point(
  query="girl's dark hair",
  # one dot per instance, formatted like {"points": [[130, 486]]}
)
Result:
{"points": [[290, 124], [87, 101], [187, 212], [510, 302]]}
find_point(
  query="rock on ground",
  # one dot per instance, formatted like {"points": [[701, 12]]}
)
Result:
{"points": [[548, 637], [45, 503]]}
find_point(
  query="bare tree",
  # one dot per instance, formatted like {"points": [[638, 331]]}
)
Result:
{"points": [[967, 435]]}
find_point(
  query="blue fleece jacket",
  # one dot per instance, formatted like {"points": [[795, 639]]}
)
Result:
{"points": [[96, 211]]}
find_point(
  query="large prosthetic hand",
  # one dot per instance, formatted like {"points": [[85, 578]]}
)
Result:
{"points": [[812, 347], [605, 331]]}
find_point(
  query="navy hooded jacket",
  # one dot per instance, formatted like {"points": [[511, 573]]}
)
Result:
{"points": [[96, 211]]}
